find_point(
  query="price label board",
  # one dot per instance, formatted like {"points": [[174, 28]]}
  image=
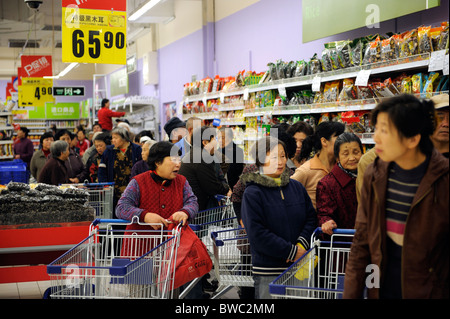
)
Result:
{"points": [[94, 31], [35, 92]]}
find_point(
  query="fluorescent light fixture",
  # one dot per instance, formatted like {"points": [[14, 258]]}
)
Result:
{"points": [[63, 72], [146, 7]]}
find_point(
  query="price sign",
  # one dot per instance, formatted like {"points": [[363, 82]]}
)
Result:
{"points": [[94, 31], [316, 84], [35, 92], [362, 79], [436, 62]]}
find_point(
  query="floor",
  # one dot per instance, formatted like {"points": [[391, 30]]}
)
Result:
{"points": [[35, 290], [24, 290]]}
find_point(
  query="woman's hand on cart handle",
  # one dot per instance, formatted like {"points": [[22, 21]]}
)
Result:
{"points": [[180, 217], [327, 227], [152, 218]]}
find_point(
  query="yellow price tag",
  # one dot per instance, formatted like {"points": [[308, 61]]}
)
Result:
{"points": [[94, 36], [35, 92]]}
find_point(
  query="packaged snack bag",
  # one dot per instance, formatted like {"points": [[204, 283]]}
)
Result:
{"points": [[409, 44], [430, 85], [349, 91], [423, 36]]}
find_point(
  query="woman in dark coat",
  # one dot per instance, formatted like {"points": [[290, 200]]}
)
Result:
{"points": [[54, 171], [336, 192]]}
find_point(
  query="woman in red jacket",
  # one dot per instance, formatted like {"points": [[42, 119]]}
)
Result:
{"points": [[336, 192]]}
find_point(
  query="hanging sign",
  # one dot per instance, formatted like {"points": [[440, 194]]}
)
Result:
{"points": [[35, 92], [94, 31], [36, 66]]}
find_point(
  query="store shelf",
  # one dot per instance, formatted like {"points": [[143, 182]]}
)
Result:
{"points": [[6, 157], [5, 113], [404, 64], [6, 142], [6, 128]]}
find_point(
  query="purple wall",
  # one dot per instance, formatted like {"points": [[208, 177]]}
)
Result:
{"points": [[178, 61], [270, 30]]}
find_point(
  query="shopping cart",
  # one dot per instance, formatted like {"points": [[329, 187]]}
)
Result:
{"points": [[100, 197], [319, 273], [214, 219], [232, 259], [110, 264]]}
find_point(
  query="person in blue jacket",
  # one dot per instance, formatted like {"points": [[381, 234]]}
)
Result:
{"points": [[117, 161], [277, 214]]}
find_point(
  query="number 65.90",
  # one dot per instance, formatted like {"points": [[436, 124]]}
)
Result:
{"points": [[78, 45]]}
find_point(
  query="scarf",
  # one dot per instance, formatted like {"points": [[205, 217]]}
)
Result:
{"points": [[351, 173]]}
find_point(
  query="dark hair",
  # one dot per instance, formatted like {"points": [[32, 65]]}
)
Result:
{"points": [[97, 123], [159, 151], [346, 137], [264, 146], [63, 132], [410, 116], [300, 127], [44, 136], [104, 137], [313, 142], [104, 101], [204, 133], [25, 130], [288, 140]]}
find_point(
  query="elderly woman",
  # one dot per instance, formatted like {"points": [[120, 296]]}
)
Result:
{"points": [[118, 160], [40, 156], [75, 166], [54, 171], [158, 194], [277, 213], [336, 192], [142, 166]]}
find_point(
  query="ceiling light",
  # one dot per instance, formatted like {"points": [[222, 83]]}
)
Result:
{"points": [[146, 7], [63, 72]]}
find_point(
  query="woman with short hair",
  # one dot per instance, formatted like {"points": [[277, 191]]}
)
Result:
{"points": [[118, 160], [55, 171], [336, 192], [277, 214], [402, 224], [40, 156]]}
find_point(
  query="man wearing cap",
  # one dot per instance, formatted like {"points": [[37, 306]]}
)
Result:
{"points": [[105, 116], [440, 137], [175, 129]]}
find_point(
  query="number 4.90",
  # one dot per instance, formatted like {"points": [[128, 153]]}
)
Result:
{"points": [[94, 42]]}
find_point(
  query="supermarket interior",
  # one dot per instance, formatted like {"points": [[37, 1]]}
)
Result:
{"points": [[247, 65]]}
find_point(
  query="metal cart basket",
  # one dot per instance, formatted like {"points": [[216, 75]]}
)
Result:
{"points": [[232, 258], [214, 219], [100, 197], [319, 273], [110, 264]]}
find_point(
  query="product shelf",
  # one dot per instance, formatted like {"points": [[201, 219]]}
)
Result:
{"points": [[401, 64]]}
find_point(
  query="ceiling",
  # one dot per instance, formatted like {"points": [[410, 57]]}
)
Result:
{"points": [[20, 26]]}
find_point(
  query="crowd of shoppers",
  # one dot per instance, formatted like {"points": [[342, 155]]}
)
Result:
{"points": [[394, 195]]}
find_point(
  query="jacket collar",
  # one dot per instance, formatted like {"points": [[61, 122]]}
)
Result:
{"points": [[437, 167], [260, 179], [158, 179], [342, 177], [315, 163]]}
